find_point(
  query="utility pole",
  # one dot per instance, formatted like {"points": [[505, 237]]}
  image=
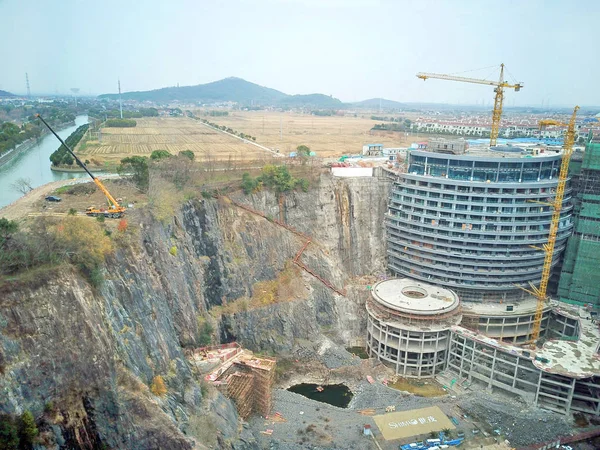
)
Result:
{"points": [[75, 91], [281, 128], [27, 84], [120, 102]]}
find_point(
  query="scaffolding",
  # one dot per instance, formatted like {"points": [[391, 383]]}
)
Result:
{"points": [[579, 278], [239, 375]]}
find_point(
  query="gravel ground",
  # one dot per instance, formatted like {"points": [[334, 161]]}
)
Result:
{"points": [[314, 425], [521, 425]]}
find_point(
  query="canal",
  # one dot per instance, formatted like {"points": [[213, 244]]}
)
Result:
{"points": [[34, 164]]}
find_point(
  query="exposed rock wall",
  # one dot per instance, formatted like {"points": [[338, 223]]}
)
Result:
{"points": [[93, 353]]}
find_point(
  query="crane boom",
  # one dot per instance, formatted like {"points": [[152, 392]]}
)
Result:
{"points": [[439, 76], [498, 100], [540, 292], [114, 209]]}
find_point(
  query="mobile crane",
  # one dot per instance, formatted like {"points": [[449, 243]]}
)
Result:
{"points": [[498, 101], [114, 210]]}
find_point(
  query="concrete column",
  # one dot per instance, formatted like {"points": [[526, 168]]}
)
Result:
{"points": [[492, 370], [570, 397], [537, 391]]}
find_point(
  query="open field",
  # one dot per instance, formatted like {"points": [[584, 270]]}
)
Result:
{"points": [[331, 136], [173, 134], [327, 136]]}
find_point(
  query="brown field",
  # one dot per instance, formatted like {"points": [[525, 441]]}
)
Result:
{"points": [[173, 134], [327, 136]]}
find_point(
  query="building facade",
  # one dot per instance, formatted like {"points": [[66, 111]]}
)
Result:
{"points": [[470, 222], [408, 326]]}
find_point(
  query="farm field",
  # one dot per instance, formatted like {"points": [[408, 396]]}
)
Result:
{"points": [[327, 136], [173, 134]]}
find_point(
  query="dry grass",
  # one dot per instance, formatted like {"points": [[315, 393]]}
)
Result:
{"points": [[431, 389], [173, 134], [328, 136], [286, 287]]}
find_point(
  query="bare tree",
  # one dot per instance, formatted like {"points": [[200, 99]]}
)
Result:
{"points": [[22, 185]]}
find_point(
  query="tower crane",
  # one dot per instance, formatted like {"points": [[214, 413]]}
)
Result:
{"points": [[114, 209], [501, 84], [540, 293]]}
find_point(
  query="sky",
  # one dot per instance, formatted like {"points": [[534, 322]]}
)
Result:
{"points": [[351, 49]]}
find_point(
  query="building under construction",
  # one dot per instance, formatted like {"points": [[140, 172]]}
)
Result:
{"points": [[464, 232], [579, 279], [468, 222], [239, 375]]}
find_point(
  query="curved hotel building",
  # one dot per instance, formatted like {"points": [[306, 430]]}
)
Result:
{"points": [[471, 222]]}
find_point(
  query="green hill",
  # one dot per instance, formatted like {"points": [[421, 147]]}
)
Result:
{"points": [[230, 90], [4, 94]]}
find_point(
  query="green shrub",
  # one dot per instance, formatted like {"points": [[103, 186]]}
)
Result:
{"points": [[188, 154], [9, 433], [72, 212], [28, 429], [249, 184], [157, 155], [100, 218]]}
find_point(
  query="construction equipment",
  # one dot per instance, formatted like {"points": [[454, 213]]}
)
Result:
{"points": [[499, 90], [548, 248], [114, 210]]}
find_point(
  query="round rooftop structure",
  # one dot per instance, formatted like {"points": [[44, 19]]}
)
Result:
{"points": [[409, 296]]}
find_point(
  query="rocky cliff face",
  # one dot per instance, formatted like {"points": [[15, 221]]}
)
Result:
{"points": [[82, 359]]}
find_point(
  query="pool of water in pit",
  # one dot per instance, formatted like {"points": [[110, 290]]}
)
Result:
{"points": [[334, 394]]}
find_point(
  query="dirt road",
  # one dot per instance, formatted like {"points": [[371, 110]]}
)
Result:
{"points": [[27, 204]]}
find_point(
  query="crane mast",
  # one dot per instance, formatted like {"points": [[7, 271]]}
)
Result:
{"points": [[500, 85], [548, 248]]}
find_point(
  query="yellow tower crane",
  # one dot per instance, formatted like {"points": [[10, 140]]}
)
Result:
{"points": [[499, 90], [548, 247]]}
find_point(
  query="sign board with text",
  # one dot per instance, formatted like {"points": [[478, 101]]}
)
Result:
{"points": [[404, 424]]}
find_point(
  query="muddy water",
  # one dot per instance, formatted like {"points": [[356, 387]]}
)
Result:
{"points": [[334, 394]]}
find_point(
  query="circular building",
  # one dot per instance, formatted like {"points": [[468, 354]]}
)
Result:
{"points": [[408, 325], [475, 222]]}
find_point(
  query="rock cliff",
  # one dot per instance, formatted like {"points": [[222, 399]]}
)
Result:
{"points": [[83, 360]]}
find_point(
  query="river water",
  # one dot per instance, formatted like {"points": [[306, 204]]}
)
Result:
{"points": [[34, 164]]}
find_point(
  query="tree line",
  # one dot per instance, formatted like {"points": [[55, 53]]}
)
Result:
{"points": [[62, 155], [121, 123], [99, 112], [12, 135]]}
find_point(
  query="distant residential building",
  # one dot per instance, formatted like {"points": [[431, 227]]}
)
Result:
{"points": [[372, 150]]}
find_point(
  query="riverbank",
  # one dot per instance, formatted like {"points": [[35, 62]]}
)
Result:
{"points": [[78, 169], [28, 144], [33, 164]]}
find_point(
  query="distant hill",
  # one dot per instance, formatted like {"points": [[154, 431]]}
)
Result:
{"points": [[312, 100], [376, 103], [4, 94], [229, 90]]}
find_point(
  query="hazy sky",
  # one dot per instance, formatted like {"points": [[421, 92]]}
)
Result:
{"points": [[351, 49]]}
